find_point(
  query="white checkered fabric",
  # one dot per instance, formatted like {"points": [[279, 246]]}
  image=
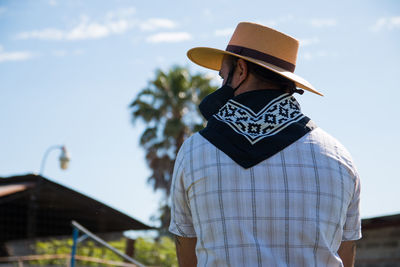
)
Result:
{"points": [[292, 209]]}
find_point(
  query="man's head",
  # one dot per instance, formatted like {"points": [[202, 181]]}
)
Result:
{"points": [[261, 52], [246, 76]]}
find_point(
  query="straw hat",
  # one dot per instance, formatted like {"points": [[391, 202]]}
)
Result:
{"points": [[259, 44]]}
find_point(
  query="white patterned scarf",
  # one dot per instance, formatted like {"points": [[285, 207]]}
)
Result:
{"points": [[255, 125]]}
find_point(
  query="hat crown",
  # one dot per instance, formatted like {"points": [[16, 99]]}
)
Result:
{"points": [[265, 40]]}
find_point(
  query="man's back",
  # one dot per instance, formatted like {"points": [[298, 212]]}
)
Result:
{"points": [[292, 209]]}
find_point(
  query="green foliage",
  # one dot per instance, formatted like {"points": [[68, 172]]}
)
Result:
{"points": [[53, 247], [156, 253], [88, 248], [151, 252], [168, 106]]}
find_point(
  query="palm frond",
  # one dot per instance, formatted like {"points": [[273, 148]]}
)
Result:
{"points": [[164, 106]]}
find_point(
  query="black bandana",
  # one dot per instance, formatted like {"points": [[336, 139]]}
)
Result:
{"points": [[249, 131]]}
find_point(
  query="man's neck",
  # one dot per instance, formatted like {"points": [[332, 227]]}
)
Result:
{"points": [[254, 84]]}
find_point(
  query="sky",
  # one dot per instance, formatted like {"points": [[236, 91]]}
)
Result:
{"points": [[70, 69]]}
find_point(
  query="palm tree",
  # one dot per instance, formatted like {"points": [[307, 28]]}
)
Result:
{"points": [[168, 106]]}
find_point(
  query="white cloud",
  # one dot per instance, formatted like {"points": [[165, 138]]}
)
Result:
{"points": [[14, 56], [53, 2], [314, 55], [121, 13], [388, 23], [45, 34], [83, 31], [89, 31], [322, 23], [156, 23], [169, 37], [309, 41], [224, 32], [115, 22]]}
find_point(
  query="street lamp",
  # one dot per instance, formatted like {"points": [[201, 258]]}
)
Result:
{"points": [[64, 157]]}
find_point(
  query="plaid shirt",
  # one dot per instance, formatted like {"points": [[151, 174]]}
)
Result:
{"points": [[292, 209]]}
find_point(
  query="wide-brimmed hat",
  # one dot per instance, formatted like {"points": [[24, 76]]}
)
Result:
{"points": [[259, 44]]}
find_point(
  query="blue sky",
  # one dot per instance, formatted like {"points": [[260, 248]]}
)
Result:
{"points": [[69, 70]]}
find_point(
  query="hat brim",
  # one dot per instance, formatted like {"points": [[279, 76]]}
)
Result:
{"points": [[211, 58]]}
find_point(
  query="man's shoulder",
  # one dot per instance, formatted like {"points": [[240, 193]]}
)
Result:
{"points": [[193, 142], [320, 134], [331, 147], [322, 138]]}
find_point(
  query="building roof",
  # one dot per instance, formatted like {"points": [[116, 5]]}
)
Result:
{"points": [[32, 206], [380, 222]]}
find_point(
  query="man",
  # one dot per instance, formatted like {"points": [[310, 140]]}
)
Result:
{"points": [[262, 185]]}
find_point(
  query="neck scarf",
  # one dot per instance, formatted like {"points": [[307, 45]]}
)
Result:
{"points": [[254, 126]]}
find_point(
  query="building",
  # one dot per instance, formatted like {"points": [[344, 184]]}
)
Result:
{"points": [[380, 244], [33, 207]]}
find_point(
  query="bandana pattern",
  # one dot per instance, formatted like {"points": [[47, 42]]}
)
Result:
{"points": [[270, 120]]}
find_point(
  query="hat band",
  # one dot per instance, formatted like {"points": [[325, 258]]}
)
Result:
{"points": [[248, 52]]}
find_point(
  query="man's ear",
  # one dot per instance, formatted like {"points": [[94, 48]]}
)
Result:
{"points": [[242, 69]]}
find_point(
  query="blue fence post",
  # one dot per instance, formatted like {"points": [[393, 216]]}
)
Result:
{"points": [[75, 235]]}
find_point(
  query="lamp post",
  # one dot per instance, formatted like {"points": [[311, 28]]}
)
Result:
{"points": [[33, 206], [64, 158]]}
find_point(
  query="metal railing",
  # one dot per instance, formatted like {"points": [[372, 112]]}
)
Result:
{"points": [[76, 239], [70, 259]]}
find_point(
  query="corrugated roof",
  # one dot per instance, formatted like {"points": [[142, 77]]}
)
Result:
{"points": [[33, 206]]}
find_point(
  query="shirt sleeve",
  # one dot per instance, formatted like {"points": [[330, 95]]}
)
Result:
{"points": [[352, 226], [181, 217]]}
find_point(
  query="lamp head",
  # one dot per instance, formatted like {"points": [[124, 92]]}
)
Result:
{"points": [[64, 158]]}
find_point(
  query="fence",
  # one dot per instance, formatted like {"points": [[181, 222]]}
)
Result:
{"points": [[28, 261], [70, 259]]}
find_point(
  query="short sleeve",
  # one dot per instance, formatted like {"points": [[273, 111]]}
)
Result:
{"points": [[352, 226], [181, 218]]}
